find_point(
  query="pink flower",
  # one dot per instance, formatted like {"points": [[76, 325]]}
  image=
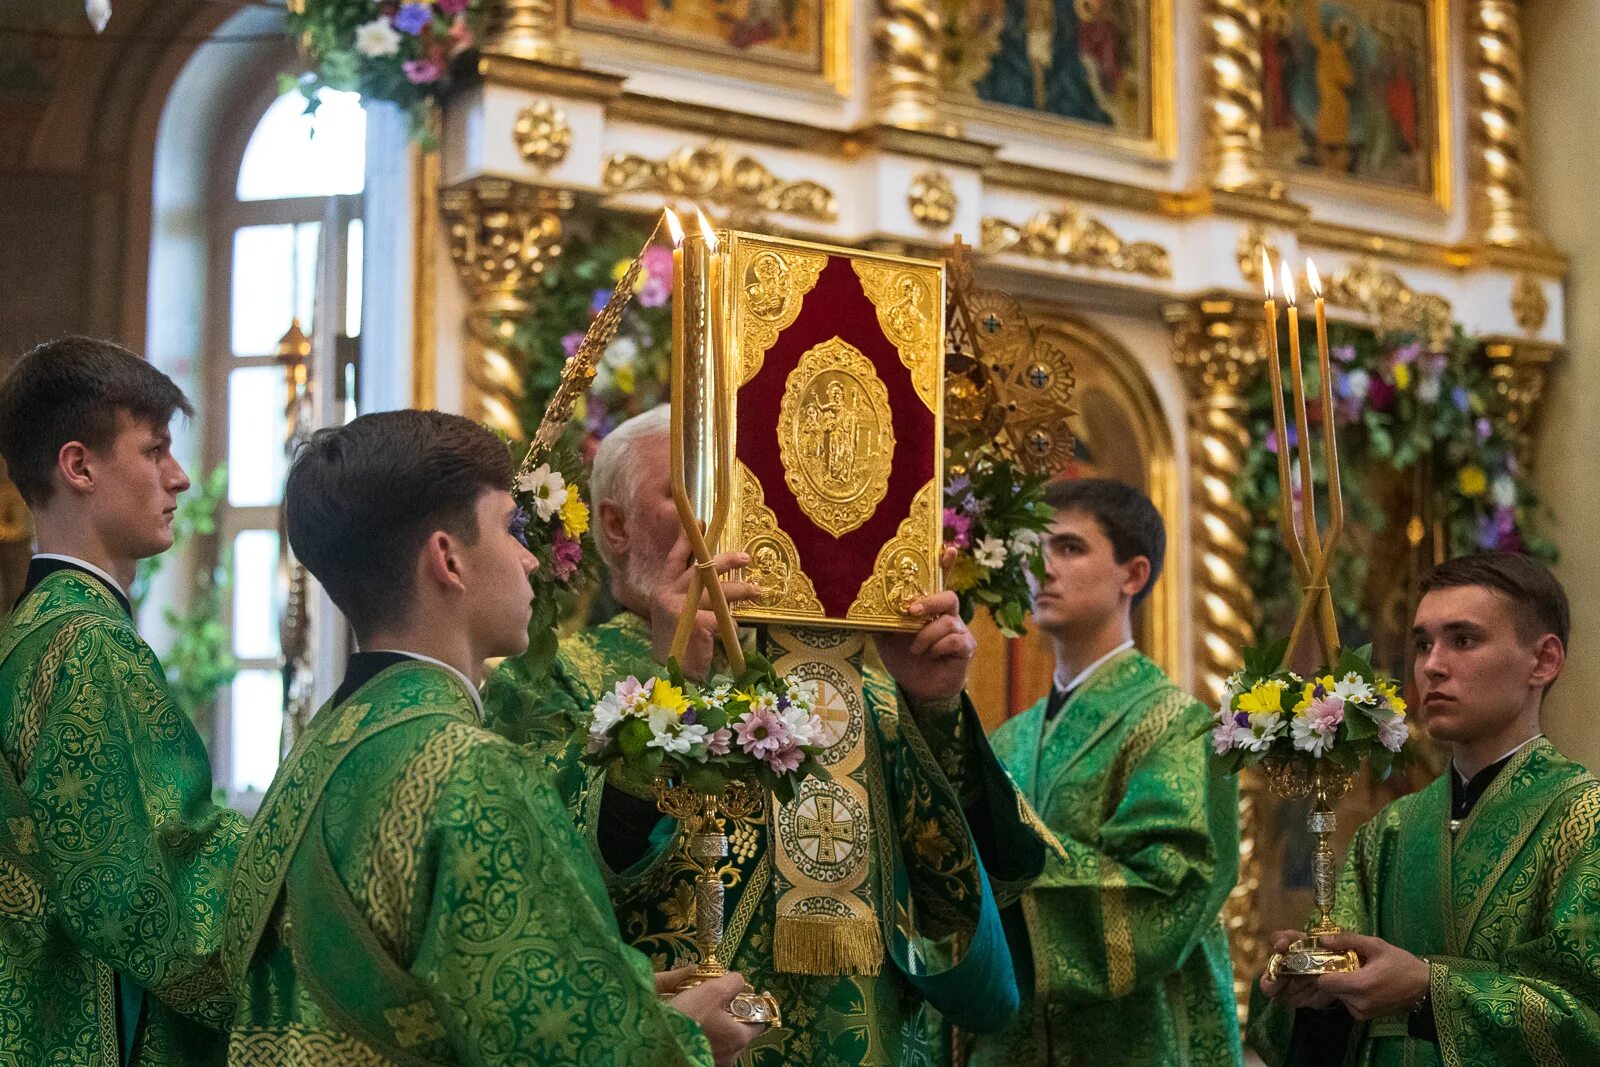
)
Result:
{"points": [[567, 555], [630, 688], [658, 277], [423, 71], [762, 732], [1393, 733], [460, 36], [957, 528], [786, 760], [570, 343], [1326, 714], [451, 7], [719, 742]]}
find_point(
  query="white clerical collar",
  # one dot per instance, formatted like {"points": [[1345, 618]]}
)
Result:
{"points": [[1466, 781], [1083, 675], [86, 565], [477, 699]]}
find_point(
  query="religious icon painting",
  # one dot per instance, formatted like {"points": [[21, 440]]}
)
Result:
{"points": [[769, 39], [1351, 92], [1097, 69]]}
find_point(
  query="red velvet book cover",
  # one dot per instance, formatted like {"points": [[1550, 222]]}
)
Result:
{"points": [[835, 378]]}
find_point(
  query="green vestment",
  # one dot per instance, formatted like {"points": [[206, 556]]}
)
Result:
{"points": [[412, 892], [1122, 955], [113, 860], [943, 943], [1508, 918]]}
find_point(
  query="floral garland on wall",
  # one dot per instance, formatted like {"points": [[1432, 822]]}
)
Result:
{"points": [[1403, 408]]}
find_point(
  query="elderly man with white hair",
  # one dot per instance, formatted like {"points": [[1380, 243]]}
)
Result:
{"points": [[945, 831]]}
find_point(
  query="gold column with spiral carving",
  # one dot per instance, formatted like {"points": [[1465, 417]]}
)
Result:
{"points": [[907, 39], [528, 29], [1499, 192], [1236, 156], [502, 236], [1217, 346]]}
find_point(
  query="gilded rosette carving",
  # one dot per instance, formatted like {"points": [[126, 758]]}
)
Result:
{"points": [[1073, 237], [836, 436], [932, 199], [908, 303], [542, 134], [713, 173], [502, 236], [1529, 306], [904, 571], [774, 283], [774, 561], [1500, 185]]}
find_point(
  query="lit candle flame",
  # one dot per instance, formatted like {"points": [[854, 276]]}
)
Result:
{"points": [[1288, 284], [1266, 271], [706, 231], [674, 227], [1313, 279]]}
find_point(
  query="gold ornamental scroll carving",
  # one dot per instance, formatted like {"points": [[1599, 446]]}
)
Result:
{"points": [[902, 573], [774, 561], [502, 236], [1217, 346], [713, 173], [773, 282], [1073, 237], [836, 436], [1387, 298], [908, 310]]}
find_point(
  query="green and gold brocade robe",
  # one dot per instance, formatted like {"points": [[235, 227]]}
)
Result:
{"points": [[1121, 953], [1508, 917], [412, 893], [113, 860], [940, 925]]}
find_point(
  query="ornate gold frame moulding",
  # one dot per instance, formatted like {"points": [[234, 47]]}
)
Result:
{"points": [[1441, 197], [832, 75], [715, 173], [1160, 144]]}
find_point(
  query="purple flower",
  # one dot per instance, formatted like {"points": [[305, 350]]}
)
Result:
{"points": [[1406, 353], [957, 528], [1461, 398], [411, 18], [570, 343], [1241, 718], [786, 760], [762, 732], [719, 742], [957, 487], [1344, 353], [1293, 438], [601, 298], [519, 526], [567, 555], [422, 71], [451, 8], [1380, 395], [688, 717], [1485, 429], [658, 277]]}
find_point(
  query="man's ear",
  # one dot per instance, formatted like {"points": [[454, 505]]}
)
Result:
{"points": [[439, 564], [613, 527], [75, 464], [1550, 656], [1137, 575]]}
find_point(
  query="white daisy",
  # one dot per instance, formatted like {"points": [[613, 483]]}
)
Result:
{"points": [[1352, 688], [990, 552], [547, 488], [377, 38]]}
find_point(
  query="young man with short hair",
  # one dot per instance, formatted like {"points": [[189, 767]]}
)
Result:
{"points": [[1473, 904], [413, 890], [1120, 949], [113, 860]]}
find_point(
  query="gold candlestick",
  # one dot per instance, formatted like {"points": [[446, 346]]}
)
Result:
{"points": [[1286, 530], [1325, 782], [1316, 586]]}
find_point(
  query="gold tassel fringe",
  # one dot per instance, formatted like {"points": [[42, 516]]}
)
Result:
{"points": [[826, 945]]}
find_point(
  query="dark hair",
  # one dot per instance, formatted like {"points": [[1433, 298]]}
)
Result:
{"points": [[1126, 516], [1537, 598], [72, 389], [362, 499]]}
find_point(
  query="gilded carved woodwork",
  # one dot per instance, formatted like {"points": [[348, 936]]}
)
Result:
{"points": [[713, 173], [774, 560], [1529, 306], [1499, 193], [1380, 293], [1073, 237], [542, 134], [1247, 252], [1236, 157], [908, 312], [900, 575], [1217, 346], [907, 38], [775, 282], [502, 236], [932, 199], [528, 29], [1519, 370]]}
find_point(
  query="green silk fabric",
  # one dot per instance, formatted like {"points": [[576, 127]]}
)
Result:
{"points": [[413, 892], [1508, 917], [945, 948], [113, 860], [1122, 956]]}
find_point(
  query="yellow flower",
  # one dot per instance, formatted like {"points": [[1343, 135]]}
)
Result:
{"points": [[1309, 693], [575, 516], [1402, 376], [965, 575], [1473, 480], [623, 378], [1263, 697], [622, 268], [1391, 692], [669, 697]]}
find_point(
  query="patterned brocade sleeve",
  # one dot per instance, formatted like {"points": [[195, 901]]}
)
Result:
{"points": [[520, 946], [1125, 910], [119, 787]]}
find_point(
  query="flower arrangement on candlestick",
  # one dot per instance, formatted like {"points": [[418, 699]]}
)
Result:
{"points": [[1309, 734], [995, 518]]}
